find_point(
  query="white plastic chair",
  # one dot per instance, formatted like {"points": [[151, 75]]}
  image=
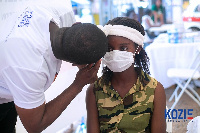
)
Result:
{"points": [[183, 78]]}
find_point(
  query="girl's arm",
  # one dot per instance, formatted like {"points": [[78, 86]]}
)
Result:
{"points": [[161, 19], [151, 25], [92, 112], [158, 122], [155, 14]]}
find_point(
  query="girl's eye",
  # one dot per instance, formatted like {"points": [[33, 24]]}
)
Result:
{"points": [[123, 48]]}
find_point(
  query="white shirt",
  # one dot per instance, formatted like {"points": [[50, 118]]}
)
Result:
{"points": [[144, 24], [28, 65]]}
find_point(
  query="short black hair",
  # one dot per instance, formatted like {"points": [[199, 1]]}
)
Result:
{"points": [[147, 11], [83, 43], [141, 59], [129, 12]]}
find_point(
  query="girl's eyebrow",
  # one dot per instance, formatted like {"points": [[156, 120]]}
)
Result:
{"points": [[120, 44], [124, 43]]}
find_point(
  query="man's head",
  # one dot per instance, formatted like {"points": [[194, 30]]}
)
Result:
{"points": [[158, 3], [131, 14], [148, 12], [83, 43]]}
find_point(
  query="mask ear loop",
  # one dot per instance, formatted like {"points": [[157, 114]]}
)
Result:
{"points": [[136, 51]]}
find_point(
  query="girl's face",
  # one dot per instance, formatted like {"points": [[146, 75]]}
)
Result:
{"points": [[120, 43], [158, 3]]}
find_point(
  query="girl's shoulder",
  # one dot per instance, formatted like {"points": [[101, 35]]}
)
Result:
{"points": [[152, 86], [98, 84], [148, 81]]}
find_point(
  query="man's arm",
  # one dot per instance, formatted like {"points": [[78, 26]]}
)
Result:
{"points": [[37, 119]]}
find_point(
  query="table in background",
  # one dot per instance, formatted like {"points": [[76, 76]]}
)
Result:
{"points": [[166, 55]]}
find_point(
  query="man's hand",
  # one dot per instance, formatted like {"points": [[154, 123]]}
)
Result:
{"points": [[87, 74]]}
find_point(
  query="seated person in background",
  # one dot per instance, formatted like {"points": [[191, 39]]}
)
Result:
{"points": [[131, 14], [125, 99], [158, 11], [147, 23]]}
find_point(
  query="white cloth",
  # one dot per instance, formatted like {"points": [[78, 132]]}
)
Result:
{"points": [[145, 24], [164, 56], [124, 31], [28, 66]]}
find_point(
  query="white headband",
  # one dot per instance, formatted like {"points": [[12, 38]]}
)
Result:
{"points": [[124, 31]]}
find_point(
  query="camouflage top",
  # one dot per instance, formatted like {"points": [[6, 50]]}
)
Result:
{"points": [[131, 114]]}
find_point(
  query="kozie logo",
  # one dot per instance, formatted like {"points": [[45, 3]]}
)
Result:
{"points": [[178, 114]]}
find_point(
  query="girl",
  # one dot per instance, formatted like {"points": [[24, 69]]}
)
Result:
{"points": [[125, 99]]}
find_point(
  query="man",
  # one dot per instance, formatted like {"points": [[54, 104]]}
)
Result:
{"points": [[131, 14], [31, 51], [147, 23]]}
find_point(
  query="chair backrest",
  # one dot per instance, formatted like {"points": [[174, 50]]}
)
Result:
{"points": [[196, 59], [195, 66]]}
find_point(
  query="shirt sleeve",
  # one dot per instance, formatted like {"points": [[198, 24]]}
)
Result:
{"points": [[26, 86], [153, 8], [67, 20], [61, 15]]}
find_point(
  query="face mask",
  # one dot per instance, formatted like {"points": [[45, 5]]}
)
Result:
{"points": [[118, 61]]}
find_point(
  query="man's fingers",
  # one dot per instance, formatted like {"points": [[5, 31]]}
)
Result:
{"points": [[97, 65], [88, 74], [94, 66], [89, 66]]}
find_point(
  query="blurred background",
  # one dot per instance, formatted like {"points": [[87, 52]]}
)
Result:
{"points": [[175, 46], [100, 11]]}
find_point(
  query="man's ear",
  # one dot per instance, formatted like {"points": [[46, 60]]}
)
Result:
{"points": [[57, 46]]}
